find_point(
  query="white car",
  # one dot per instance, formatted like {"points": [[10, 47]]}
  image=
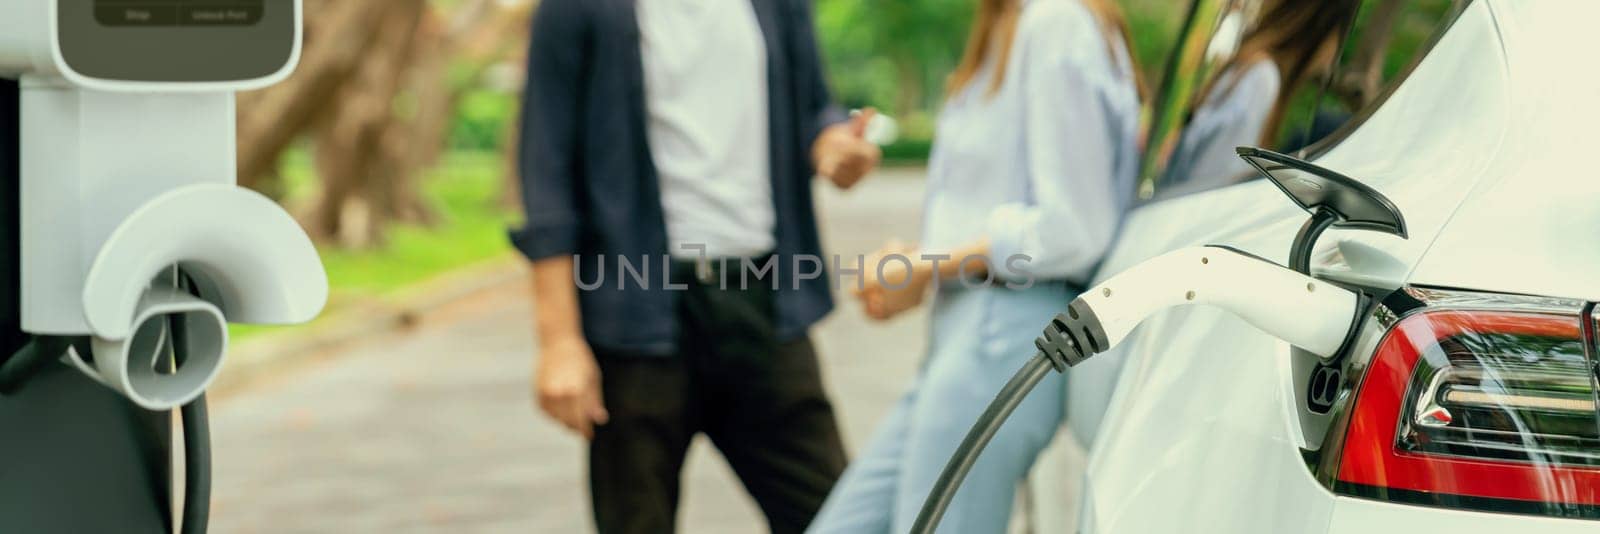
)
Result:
{"points": [[1468, 402]]}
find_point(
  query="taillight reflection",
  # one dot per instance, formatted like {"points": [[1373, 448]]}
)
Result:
{"points": [[1481, 410]]}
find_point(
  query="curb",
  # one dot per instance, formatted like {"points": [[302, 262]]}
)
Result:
{"points": [[275, 353]]}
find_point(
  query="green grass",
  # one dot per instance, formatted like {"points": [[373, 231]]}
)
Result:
{"points": [[904, 152], [464, 191]]}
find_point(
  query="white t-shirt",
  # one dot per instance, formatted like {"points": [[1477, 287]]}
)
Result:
{"points": [[705, 69]]}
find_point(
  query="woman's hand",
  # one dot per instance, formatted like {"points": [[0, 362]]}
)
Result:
{"points": [[899, 286], [904, 279]]}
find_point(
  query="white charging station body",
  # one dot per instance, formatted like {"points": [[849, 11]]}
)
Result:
{"points": [[128, 170]]}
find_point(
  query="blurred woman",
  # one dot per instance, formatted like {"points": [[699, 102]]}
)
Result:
{"points": [[1244, 104], [1033, 163]]}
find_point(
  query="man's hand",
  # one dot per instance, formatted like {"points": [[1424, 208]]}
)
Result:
{"points": [[843, 155], [566, 381], [567, 384]]}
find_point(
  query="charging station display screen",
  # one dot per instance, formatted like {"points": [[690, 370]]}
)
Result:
{"points": [[178, 12], [177, 41]]}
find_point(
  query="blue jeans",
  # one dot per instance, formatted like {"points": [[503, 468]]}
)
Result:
{"points": [[980, 337]]}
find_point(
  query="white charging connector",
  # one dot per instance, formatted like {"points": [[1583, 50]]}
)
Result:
{"points": [[1306, 312]]}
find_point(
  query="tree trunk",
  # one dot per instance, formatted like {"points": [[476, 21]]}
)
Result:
{"points": [[271, 119], [360, 165], [377, 90], [1362, 79], [908, 93]]}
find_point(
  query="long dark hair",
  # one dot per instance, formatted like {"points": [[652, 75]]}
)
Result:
{"points": [[1297, 35]]}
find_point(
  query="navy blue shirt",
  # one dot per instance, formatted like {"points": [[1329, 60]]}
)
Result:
{"points": [[589, 187]]}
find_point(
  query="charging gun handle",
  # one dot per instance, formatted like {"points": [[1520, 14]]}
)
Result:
{"points": [[1308, 313]]}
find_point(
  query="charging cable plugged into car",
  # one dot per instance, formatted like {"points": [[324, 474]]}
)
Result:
{"points": [[1286, 302]]}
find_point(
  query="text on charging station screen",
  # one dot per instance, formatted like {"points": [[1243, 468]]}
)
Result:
{"points": [[178, 12]]}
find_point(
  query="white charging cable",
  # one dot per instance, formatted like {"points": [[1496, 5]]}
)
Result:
{"points": [[1306, 312]]}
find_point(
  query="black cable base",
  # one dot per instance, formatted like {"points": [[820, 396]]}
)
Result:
{"points": [[197, 467], [33, 357], [196, 515]]}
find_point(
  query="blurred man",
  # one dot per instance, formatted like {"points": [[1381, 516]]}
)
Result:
{"points": [[667, 152]]}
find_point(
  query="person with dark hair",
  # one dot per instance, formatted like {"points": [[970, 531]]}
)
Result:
{"points": [[1244, 104], [681, 137]]}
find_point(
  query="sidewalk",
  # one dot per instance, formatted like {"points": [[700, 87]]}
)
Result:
{"points": [[434, 430]]}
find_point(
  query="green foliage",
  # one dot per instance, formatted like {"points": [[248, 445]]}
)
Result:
{"points": [[482, 120], [1417, 22], [464, 191], [913, 151], [1153, 27], [895, 54]]}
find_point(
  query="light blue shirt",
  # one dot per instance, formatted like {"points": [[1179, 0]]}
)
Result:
{"points": [[1046, 165], [1234, 114]]}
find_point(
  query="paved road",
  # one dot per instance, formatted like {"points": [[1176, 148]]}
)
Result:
{"points": [[434, 431]]}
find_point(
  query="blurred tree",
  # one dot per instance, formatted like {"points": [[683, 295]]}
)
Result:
{"points": [[385, 86], [270, 120], [893, 54], [479, 48], [1387, 37], [377, 93], [361, 150], [1362, 74], [896, 54]]}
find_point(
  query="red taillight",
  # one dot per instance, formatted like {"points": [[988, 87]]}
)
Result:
{"points": [[1487, 410]]}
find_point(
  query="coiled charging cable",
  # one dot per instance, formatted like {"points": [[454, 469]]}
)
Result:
{"points": [[196, 515]]}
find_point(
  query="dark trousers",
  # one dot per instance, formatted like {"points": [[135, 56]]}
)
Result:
{"points": [[759, 400]]}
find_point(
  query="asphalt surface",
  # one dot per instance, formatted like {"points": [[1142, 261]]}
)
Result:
{"points": [[434, 429]]}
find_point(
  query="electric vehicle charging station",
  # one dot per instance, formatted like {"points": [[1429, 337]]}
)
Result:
{"points": [[131, 246]]}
